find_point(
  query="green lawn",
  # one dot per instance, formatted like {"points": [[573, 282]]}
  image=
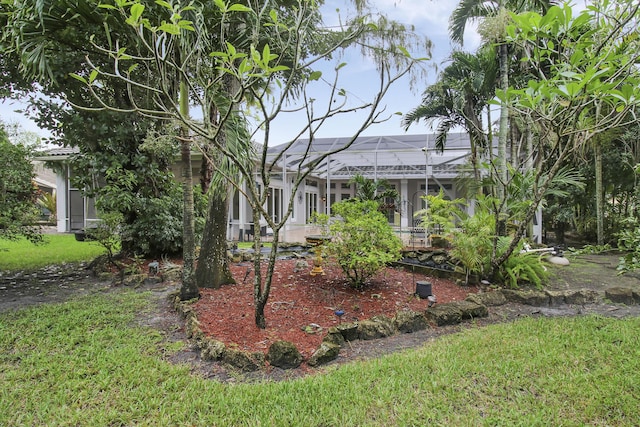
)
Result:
{"points": [[56, 249], [83, 363]]}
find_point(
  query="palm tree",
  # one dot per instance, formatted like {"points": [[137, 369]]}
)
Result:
{"points": [[458, 99], [493, 16]]}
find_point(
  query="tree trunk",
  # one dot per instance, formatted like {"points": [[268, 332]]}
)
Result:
{"points": [[189, 290], [502, 141], [213, 267], [599, 195]]}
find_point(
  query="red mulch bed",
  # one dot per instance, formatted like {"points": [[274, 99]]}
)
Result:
{"points": [[298, 300]]}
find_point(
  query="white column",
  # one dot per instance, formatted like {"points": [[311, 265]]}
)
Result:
{"points": [[62, 197], [404, 200]]}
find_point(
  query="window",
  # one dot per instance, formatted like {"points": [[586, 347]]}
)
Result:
{"points": [[311, 204], [274, 204]]}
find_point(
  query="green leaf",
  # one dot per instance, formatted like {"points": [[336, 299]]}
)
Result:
{"points": [[136, 13], [239, 8], [93, 75], [220, 5], [78, 77], [164, 4], [170, 28], [404, 51], [315, 75]]}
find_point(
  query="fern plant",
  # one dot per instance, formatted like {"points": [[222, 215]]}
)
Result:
{"points": [[520, 268]]}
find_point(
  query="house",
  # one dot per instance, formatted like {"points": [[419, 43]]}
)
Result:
{"points": [[409, 163]]}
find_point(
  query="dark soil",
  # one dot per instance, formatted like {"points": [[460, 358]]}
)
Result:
{"points": [[58, 283]]}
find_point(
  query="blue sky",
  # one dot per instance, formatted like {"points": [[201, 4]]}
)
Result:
{"points": [[430, 18]]}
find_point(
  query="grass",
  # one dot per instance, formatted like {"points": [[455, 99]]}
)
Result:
{"points": [[84, 362], [58, 248]]}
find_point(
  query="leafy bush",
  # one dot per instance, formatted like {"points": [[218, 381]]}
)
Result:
{"points": [[440, 213], [520, 268], [362, 242], [18, 211], [472, 243], [629, 242]]}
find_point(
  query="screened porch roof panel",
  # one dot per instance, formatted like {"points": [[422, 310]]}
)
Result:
{"points": [[391, 157]]}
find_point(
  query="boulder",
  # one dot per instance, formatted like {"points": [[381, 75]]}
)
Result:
{"points": [[471, 310], [444, 314], [212, 349], [376, 327], [534, 298], [242, 360], [410, 321], [581, 297], [620, 295], [301, 265], [349, 331], [557, 260], [284, 354], [334, 337], [324, 354], [488, 299]]}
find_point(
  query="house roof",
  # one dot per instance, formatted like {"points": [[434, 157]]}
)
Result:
{"points": [[57, 154], [391, 157]]}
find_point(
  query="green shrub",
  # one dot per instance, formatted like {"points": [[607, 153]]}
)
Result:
{"points": [[472, 242], [520, 268], [362, 242]]}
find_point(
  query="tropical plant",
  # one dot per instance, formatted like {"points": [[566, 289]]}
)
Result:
{"points": [[629, 242], [472, 241], [378, 190], [48, 201], [440, 215], [362, 241], [520, 267]]}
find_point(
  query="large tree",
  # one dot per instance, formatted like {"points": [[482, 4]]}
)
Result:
{"points": [[43, 43], [586, 83], [270, 81], [18, 192]]}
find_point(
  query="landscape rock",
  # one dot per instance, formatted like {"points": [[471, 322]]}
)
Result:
{"points": [[408, 321], [557, 260], [620, 295], [581, 297], [212, 349], [534, 298], [324, 354], [242, 360], [284, 354], [444, 314], [489, 299], [556, 298], [376, 327], [334, 336], [349, 331], [471, 310]]}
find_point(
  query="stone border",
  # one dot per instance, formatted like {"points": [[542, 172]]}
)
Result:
{"points": [[285, 355]]}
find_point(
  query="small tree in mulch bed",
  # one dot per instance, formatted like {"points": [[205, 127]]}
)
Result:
{"points": [[362, 242]]}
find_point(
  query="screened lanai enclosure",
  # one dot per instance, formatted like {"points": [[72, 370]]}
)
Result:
{"points": [[410, 164]]}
